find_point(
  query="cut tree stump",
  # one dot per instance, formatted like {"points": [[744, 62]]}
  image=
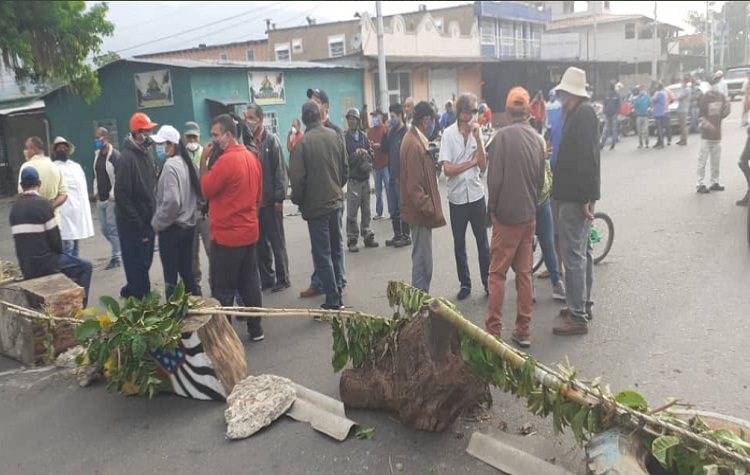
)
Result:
{"points": [[209, 361], [426, 383], [23, 338]]}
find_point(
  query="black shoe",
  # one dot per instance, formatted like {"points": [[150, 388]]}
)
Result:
{"points": [[463, 294], [353, 247], [265, 287], [370, 243], [113, 264], [255, 330], [702, 190], [280, 287], [325, 306], [717, 187], [681, 143], [404, 241], [392, 242]]}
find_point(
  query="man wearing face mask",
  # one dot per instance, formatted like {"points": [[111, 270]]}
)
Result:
{"points": [[420, 198], [134, 206], [192, 136], [463, 157], [359, 151], [391, 143], [272, 256], [53, 189], [106, 158], [75, 213], [380, 160]]}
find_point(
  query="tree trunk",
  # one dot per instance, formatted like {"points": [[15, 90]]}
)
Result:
{"points": [[422, 377]]}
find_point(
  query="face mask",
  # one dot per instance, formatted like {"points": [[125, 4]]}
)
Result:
{"points": [[61, 156], [375, 122], [26, 154], [161, 152], [394, 123], [294, 130], [216, 145], [430, 129], [98, 144], [192, 146]]}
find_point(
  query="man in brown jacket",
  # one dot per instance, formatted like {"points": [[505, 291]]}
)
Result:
{"points": [[420, 198], [515, 179]]}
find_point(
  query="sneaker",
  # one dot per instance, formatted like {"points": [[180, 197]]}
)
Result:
{"points": [[377, 217], [325, 306], [403, 242], [558, 292], [702, 190], [113, 264], [717, 187], [463, 294], [255, 330], [370, 243], [392, 242], [524, 341], [280, 287], [570, 327], [353, 247], [307, 293], [565, 312]]}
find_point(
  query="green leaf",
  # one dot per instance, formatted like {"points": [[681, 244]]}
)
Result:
{"points": [[86, 330], [632, 400], [577, 424], [662, 445], [366, 434], [110, 304], [138, 346]]}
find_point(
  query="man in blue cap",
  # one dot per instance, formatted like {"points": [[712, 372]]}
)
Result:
{"points": [[37, 237]]}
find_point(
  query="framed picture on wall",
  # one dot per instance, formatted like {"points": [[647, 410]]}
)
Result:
{"points": [[267, 87], [153, 89], [111, 126]]}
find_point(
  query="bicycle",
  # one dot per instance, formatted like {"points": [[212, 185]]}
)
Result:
{"points": [[602, 236]]}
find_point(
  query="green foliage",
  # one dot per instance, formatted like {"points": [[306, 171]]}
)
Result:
{"points": [[735, 15], [121, 339], [49, 42], [366, 434], [633, 400]]}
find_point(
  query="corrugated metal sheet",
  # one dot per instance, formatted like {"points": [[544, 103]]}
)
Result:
{"points": [[257, 65], [23, 108]]}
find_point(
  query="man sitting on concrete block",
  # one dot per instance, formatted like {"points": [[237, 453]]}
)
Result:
{"points": [[37, 237]]}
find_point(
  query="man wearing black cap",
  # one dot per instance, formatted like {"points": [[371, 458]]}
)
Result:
{"points": [[37, 237]]}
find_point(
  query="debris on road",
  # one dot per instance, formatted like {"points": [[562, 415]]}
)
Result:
{"points": [[256, 402], [67, 360], [514, 455], [324, 414]]}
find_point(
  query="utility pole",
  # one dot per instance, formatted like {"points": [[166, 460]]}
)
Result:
{"points": [[655, 58], [722, 32], [707, 35], [711, 40], [383, 82], [747, 11]]}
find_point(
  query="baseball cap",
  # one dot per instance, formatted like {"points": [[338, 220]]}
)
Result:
{"points": [[518, 99], [320, 94], [29, 177], [141, 121], [167, 133], [191, 128]]}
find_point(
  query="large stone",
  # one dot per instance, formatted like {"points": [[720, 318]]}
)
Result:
{"points": [[256, 402]]}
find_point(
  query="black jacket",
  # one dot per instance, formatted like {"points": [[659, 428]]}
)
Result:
{"points": [[577, 169], [391, 144], [36, 235], [360, 163], [274, 170], [135, 185]]}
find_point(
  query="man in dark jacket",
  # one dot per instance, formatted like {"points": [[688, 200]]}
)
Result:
{"points": [[360, 153], [134, 206], [391, 145], [576, 188], [106, 159], [37, 237], [319, 170], [612, 105], [272, 244]]}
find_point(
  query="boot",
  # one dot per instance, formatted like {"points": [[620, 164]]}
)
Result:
{"points": [[370, 241], [353, 246], [405, 239], [396, 234]]}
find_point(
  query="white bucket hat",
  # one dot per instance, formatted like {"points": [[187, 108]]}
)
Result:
{"points": [[167, 133], [58, 140], [574, 82]]}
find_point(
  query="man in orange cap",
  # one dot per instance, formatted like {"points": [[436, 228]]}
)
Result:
{"points": [[134, 206], [515, 179]]}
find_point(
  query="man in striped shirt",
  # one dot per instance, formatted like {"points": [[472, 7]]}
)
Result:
{"points": [[37, 237]]}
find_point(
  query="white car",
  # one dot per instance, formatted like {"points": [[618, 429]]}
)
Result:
{"points": [[676, 89], [735, 79]]}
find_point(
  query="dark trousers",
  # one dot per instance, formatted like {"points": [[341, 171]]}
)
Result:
{"points": [[461, 216], [232, 270], [663, 129], [77, 270], [400, 228], [176, 252], [137, 255], [327, 242], [272, 257]]}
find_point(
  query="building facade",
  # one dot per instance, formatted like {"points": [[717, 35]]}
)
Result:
{"points": [[253, 50]]}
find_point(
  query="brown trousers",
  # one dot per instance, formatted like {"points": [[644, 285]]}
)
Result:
{"points": [[511, 247]]}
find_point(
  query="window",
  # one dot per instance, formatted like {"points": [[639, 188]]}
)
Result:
{"points": [[488, 31], [282, 52], [223, 57], [629, 31], [250, 54], [336, 46], [645, 33], [271, 122], [297, 46], [507, 40], [399, 87]]}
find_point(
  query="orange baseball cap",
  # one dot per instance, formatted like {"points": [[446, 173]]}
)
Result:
{"points": [[518, 99], [140, 121]]}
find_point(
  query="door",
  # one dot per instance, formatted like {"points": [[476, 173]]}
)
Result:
{"points": [[443, 86]]}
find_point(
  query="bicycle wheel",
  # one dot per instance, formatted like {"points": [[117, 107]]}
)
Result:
{"points": [[537, 259], [602, 236]]}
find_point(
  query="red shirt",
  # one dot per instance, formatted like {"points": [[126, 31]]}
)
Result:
{"points": [[375, 136], [234, 188], [297, 138]]}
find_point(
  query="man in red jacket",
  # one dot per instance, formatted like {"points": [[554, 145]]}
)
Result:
{"points": [[233, 185]]}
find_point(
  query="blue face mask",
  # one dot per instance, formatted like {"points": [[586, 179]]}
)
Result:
{"points": [[161, 152], [98, 144], [430, 129], [375, 122], [394, 123]]}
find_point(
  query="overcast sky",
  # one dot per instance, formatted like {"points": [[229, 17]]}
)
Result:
{"points": [[139, 25]]}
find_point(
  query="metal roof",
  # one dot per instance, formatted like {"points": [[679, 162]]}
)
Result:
{"points": [[579, 21], [23, 108], [208, 64]]}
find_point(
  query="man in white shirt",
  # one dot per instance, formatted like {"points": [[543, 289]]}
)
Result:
{"points": [[721, 85], [75, 213], [463, 158]]}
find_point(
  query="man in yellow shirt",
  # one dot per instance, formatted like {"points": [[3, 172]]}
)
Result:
{"points": [[53, 186]]}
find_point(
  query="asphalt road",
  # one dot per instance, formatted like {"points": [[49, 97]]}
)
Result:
{"points": [[672, 300]]}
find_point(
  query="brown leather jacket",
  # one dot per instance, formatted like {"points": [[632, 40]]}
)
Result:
{"points": [[420, 198]]}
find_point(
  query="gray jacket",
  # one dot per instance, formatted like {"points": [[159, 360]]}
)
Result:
{"points": [[176, 201], [683, 101]]}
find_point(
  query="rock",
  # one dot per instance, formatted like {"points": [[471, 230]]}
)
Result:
{"points": [[527, 429], [256, 402], [67, 360], [87, 374]]}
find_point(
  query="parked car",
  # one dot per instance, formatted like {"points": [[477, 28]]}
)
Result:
{"points": [[735, 78], [676, 89]]}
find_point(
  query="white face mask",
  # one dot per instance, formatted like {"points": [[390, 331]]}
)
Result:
{"points": [[192, 146], [294, 130]]}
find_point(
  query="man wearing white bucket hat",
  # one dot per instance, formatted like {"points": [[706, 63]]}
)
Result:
{"points": [[575, 189]]}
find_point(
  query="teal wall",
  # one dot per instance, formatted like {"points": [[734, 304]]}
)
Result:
{"points": [[72, 118]]}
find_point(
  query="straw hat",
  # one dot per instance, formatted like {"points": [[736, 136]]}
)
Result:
{"points": [[59, 140], [574, 82]]}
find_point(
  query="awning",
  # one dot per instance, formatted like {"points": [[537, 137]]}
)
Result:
{"points": [[227, 101]]}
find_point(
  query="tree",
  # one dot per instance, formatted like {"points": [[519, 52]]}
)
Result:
{"points": [[735, 15], [49, 42], [106, 58]]}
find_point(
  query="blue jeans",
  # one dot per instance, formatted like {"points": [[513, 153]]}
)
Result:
{"points": [[663, 129], [610, 129], [327, 242], [77, 270], [176, 253], [461, 216], [545, 231], [108, 224], [137, 256], [71, 248], [381, 182]]}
